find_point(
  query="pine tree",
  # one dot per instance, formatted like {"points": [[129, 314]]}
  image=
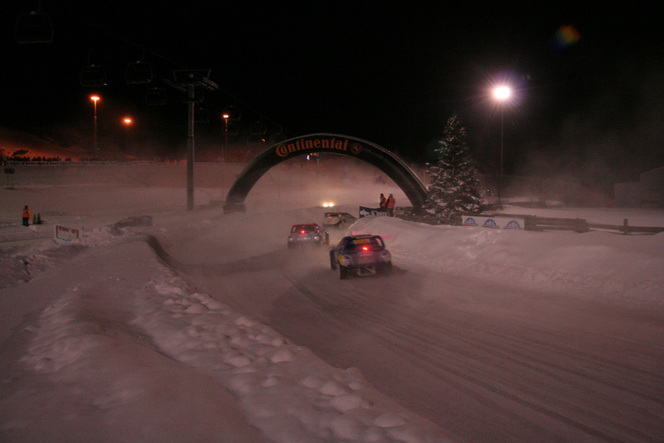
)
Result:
{"points": [[454, 182]]}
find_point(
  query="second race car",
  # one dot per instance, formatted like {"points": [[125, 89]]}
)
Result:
{"points": [[338, 219], [307, 234]]}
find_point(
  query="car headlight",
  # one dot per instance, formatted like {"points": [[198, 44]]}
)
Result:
{"points": [[316, 237]]}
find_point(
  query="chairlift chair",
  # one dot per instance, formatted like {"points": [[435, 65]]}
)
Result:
{"points": [[93, 76], [138, 73], [33, 27]]}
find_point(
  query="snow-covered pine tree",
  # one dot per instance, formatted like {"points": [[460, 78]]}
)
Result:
{"points": [[454, 186]]}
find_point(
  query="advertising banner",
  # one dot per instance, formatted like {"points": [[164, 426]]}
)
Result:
{"points": [[62, 233], [365, 212], [512, 223]]}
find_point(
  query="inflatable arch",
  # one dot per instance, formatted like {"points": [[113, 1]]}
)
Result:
{"points": [[387, 162]]}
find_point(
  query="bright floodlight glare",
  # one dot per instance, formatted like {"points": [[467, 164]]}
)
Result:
{"points": [[502, 92], [94, 98]]}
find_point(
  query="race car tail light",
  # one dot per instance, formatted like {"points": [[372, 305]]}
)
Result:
{"points": [[303, 232], [365, 248]]}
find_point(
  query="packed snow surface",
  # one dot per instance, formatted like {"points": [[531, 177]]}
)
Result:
{"points": [[162, 324]]}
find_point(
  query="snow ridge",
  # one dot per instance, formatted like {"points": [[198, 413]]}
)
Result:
{"points": [[532, 260], [283, 390], [261, 369]]}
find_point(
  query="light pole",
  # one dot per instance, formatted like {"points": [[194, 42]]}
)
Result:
{"points": [[501, 93], [225, 116], [95, 99], [186, 80], [127, 121]]}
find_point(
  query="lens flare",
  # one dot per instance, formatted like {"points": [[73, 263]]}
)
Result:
{"points": [[566, 36]]}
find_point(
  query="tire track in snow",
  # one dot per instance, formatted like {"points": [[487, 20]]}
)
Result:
{"points": [[536, 377], [532, 357]]}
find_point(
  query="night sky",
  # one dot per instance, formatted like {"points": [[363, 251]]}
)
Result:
{"points": [[390, 72]]}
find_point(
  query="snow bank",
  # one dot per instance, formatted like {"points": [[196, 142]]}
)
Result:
{"points": [[619, 268], [127, 349]]}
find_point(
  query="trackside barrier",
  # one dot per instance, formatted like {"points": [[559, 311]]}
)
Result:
{"points": [[558, 224], [534, 223], [627, 229], [365, 212], [525, 222], [516, 223]]}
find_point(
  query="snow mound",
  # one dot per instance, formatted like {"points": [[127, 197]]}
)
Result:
{"points": [[271, 378], [579, 264], [92, 328]]}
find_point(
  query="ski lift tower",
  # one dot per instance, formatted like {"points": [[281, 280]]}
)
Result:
{"points": [[193, 82]]}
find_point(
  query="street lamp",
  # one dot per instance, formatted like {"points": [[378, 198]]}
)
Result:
{"points": [[95, 99], [225, 116], [127, 121], [502, 94]]}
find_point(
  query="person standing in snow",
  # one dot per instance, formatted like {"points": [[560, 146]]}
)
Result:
{"points": [[26, 215], [390, 205], [383, 202]]}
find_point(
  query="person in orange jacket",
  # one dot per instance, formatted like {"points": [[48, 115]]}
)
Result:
{"points": [[383, 201], [27, 214], [390, 205]]}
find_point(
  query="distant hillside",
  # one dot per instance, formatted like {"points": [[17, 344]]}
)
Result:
{"points": [[31, 143], [14, 142]]}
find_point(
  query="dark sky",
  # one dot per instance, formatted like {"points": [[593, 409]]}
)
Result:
{"points": [[391, 72]]}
